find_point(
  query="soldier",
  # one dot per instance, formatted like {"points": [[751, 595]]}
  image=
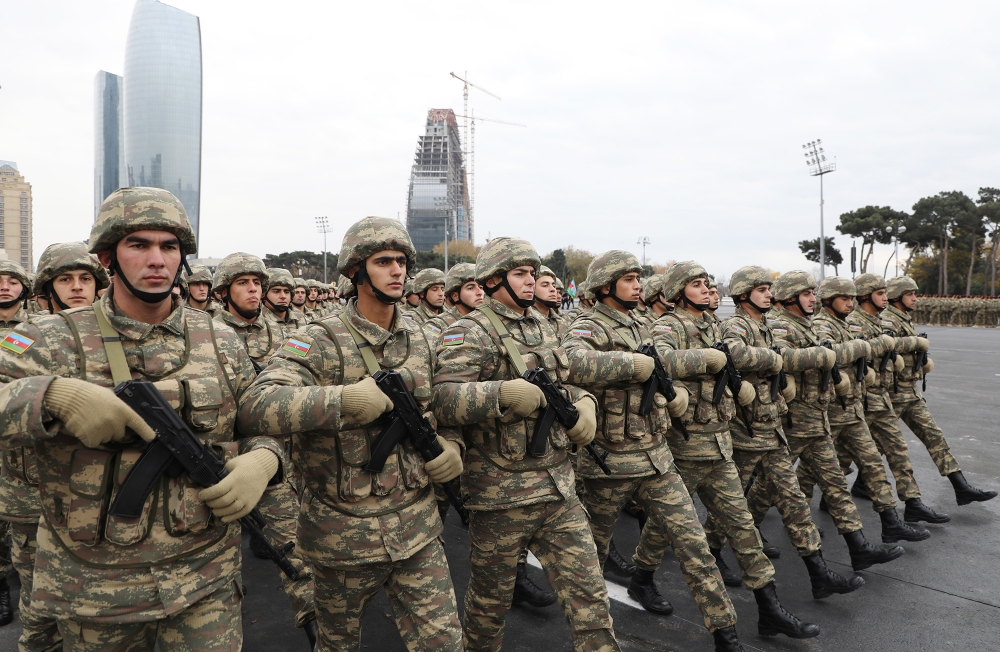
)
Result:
{"points": [[299, 294], [200, 291], [345, 290], [363, 531], [241, 280], [705, 457], [278, 303], [713, 297], [462, 294], [410, 298], [114, 583], [428, 285], [602, 352], [517, 500], [807, 428], [908, 402], [312, 309], [547, 300], [764, 453]]}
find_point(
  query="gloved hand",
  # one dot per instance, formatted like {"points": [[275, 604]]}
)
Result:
{"points": [[521, 396], [825, 358], [714, 360], [898, 364], [448, 465], [583, 432], [927, 368], [789, 392], [364, 401], [747, 394], [843, 388], [240, 491], [91, 413], [678, 406], [775, 368], [870, 377], [923, 344], [884, 343], [643, 367]]}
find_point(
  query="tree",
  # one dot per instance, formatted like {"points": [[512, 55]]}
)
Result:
{"points": [[305, 264], [869, 224], [556, 261], [945, 213], [810, 248], [459, 251], [989, 210], [577, 262]]}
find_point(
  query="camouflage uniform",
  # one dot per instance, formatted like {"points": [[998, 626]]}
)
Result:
{"points": [[558, 321], [516, 501], [458, 275], [111, 582], [360, 531], [601, 346], [424, 279], [292, 319], [316, 312], [260, 336], [201, 274]]}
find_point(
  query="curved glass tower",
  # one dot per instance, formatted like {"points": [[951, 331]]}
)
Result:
{"points": [[162, 102]]}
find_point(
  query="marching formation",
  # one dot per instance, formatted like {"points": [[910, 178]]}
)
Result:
{"points": [[341, 425]]}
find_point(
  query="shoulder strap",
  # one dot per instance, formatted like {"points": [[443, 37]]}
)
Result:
{"points": [[114, 349], [371, 364], [626, 336], [513, 355]]}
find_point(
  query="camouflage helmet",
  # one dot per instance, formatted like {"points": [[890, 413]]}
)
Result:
{"points": [[65, 257], [408, 288], [238, 264], [898, 286], [11, 268], [611, 266], [372, 235], [345, 289], [31, 283], [710, 282], [500, 255], [836, 286], [545, 271], [790, 285], [300, 283], [127, 210], [425, 278], [559, 285], [200, 274], [458, 276], [278, 277], [313, 283], [745, 279], [678, 276], [651, 286], [868, 283]]}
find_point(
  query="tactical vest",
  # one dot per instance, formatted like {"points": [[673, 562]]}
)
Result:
{"points": [[766, 414], [19, 501], [809, 381], [701, 387]]}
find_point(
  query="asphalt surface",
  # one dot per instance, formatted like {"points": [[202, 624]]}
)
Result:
{"points": [[942, 594]]}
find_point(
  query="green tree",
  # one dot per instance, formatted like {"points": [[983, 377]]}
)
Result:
{"points": [[989, 210], [556, 261], [577, 262], [870, 224], [947, 214], [810, 248], [305, 264]]}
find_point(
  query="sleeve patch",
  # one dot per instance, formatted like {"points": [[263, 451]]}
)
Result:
{"points": [[853, 327], [410, 317], [886, 322], [454, 339], [16, 343], [780, 331], [432, 328], [582, 332], [296, 347], [825, 329], [662, 327], [738, 329]]}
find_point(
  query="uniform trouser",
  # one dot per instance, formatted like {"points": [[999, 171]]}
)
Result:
{"points": [[919, 419], [854, 440], [280, 507], [213, 624], [776, 479], [558, 534], [671, 520], [890, 442], [5, 561], [441, 498], [38, 633], [718, 484], [821, 457]]}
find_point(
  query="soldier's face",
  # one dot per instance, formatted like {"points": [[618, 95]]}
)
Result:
{"points": [[75, 288], [696, 291], [245, 292], [299, 296], [713, 298], [880, 298], [521, 281], [279, 295], [313, 294], [148, 259], [386, 270], [413, 300], [760, 296], [807, 298], [472, 294], [198, 292], [909, 299], [545, 289], [434, 295], [10, 288], [628, 287], [842, 304]]}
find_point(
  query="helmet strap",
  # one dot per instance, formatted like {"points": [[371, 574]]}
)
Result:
{"points": [[627, 305], [697, 306], [796, 302], [281, 310], [828, 303], [759, 309], [13, 302], [551, 304], [147, 297], [249, 315], [359, 279], [521, 303]]}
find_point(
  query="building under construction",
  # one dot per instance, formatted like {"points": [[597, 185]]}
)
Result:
{"points": [[439, 196]]}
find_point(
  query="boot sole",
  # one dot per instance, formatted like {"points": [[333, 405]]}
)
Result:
{"points": [[868, 564], [658, 612], [918, 519], [732, 583], [890, 539], [771, 631], [827, 592], [969, 501]]}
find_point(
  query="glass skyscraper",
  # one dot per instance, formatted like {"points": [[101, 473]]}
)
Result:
{"points": [[109, 137]]}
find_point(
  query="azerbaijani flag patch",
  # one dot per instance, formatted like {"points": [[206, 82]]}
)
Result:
{"points": [[582, 332], [825, 329], [16, 343], [296, 347], [662, 327], [454, 339], [886, 322], [853, 327], [738, 329], [432, 328], [780, 331]]}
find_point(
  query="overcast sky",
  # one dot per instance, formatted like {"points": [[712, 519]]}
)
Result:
{"points": [[682, 122]]}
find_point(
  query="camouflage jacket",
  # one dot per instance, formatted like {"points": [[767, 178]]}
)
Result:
{"points": [[434, 327], [19, 317], [906, 345], [262, 337], [349, 517], [807, 411], [877, 395], [472, 364], [422, 314], [19, 501], [749, 343], [93, 566], [557, 321], [849, 348], [599, 346], [292, 321]]}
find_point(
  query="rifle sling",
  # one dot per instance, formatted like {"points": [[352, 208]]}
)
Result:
{"points": [[513, 355], [113, 348], [364, 348], [626, 337]]}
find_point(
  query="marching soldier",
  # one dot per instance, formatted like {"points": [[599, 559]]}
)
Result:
{"points": [[299, 294], [278, 303], [200, 291], [462, 295], [713, 297], [312, 309], [548, 300], [428, 285], [241, 280], [410, 298]]}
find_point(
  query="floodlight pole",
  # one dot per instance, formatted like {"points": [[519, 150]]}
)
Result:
{"points": [[816, 160], [644, 240], [323, 226]]}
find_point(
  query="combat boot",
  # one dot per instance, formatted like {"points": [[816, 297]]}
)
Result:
{"points": [[770, 551], [312, 632], [859, 489], [773, 619], [894, 530], [617, 565], [726, 640], [643, 590], [966, 493], [526, 591], [6, 613], [825, 582], [864, 554], [729, 576], [916, 511]]}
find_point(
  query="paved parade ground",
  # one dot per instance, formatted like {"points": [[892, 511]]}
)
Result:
{"points": [[943, 594]]}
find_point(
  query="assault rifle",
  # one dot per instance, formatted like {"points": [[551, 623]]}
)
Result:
{"points": [[779, 381], [407, 421], [659, 381], [890, 356], [177, 450], [729, 376], [557, 407], [834, 374], [919, 360]]}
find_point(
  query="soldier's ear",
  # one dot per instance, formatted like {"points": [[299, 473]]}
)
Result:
{"points": [[105, 258], [493, 281]]}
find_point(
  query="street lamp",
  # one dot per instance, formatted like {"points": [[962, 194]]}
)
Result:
{"points": [[895, 229], [323, 226], [644, 241], [816, 160]]}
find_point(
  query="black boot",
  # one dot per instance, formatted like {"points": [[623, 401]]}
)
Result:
{"points": [[729, 576], [859, 489], [6, 613], [617, 565], [916, 511], [772, 618], [312, 632], [726, 640], [864, 554], [894, 530], [528, 592], [643, 590], [825, 582], [769, 551], [966, 493], [257, 548]]}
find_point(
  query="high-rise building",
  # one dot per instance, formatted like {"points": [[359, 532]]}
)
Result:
{"points": [[109, 137], [438, 190], [15, 215]]}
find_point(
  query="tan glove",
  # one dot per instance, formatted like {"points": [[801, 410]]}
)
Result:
{"points": [[747, 394], [789, 392], [678, 406], [364, 401], [586, 427], [643, 367], [448, 465], [843, 388], [885, 343], [240, 491], [775, 368], [521, 396], [91, 413], [714, 360], [923, 344], [870, 377], [827, 358], [898, 364], [927, 368]]}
